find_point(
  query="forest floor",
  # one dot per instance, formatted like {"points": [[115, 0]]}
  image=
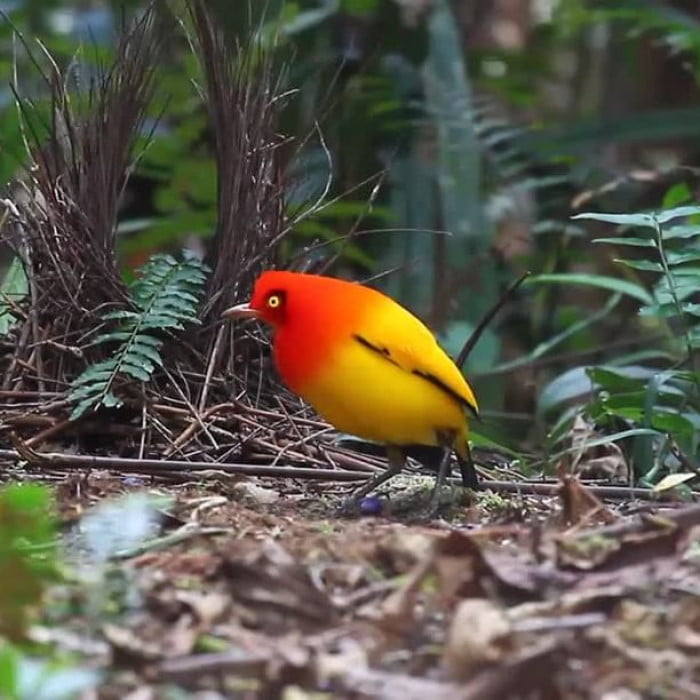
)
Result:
{"points": [[253, 588]]}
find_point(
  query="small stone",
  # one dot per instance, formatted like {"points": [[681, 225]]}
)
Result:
{"points": [[371, 505], [256, 494]]}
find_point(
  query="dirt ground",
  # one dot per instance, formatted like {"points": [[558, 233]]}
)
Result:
{"points": [[253, 588]]}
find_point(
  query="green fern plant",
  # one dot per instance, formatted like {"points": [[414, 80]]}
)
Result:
{"points": [[165, 296], [653, 392]]}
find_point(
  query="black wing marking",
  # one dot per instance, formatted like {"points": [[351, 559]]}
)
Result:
{"points": [[386, 354], [441, 385]]}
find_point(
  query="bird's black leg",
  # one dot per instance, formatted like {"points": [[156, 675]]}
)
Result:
{"points": [[397, 461], [443, 471], [446, 440], [470, 480]]}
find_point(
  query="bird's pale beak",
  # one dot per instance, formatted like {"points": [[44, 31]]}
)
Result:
{"points": [[240, 311]]}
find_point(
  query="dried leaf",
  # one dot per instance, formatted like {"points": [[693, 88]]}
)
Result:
{"points": [[480, 633], [398, 611], [593, 461], [670, 481], [580, 504], [276, 591], [255, 494]]}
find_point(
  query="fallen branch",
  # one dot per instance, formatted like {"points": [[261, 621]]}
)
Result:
{"points": [[129, 464], [539, 488], [683, 518]]}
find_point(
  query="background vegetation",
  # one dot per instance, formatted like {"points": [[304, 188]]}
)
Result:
{"points": [[447, 148], [438, 149]]}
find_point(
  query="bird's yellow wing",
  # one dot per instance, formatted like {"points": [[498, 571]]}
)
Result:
{"points": [[400, 338]]}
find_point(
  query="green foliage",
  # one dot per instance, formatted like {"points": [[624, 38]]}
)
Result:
{"points": [[28, 560], [663, 399], [24, 677], [27, 555], [13, 289], [165, 297]]}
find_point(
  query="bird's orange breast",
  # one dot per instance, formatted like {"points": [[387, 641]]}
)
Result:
{"points": [[319, 322]]}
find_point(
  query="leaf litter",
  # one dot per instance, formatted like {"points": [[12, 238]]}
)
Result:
{"points": [[231, 598]]}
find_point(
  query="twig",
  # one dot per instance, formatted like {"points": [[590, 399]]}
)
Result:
{"points": [[184, 437], [542, 489], [683, 518], [486, 319], [129, 464], [563, 622], [186, 668], [187, 532], [190, 405], [14, 394], [48, 432], [142, 441], [210, 368]]}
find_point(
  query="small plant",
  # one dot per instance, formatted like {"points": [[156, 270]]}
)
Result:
{"points": [[165, 297], [12, 290], [27, 554], [653, 394], [22, 676]]}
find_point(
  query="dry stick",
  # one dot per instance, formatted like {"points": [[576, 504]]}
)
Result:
{"points": [[198, 423], [187, 668], [210, 367], [193, 411], [683, 518], [144, 423], [540, 489], [10, 371], [30, 419], [48, 432], [486, 319], [129, 464], [34, 320], [16, 394]]}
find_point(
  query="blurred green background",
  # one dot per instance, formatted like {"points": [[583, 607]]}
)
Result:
{"points": [[447, 144]]}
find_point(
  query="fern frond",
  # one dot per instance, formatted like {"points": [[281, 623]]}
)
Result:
{"points": [[165, 297]]}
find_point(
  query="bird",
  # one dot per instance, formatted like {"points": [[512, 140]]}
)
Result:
{"points": [[368, 366]]}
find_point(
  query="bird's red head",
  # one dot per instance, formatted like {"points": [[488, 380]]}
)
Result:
{"points": [[284, 299], [269, 300], [309, 314]]}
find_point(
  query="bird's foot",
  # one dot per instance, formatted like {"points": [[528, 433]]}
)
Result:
{"points": [[348, 508]]}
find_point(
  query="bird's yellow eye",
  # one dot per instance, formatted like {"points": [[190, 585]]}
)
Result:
{"points": [[274, 301]]}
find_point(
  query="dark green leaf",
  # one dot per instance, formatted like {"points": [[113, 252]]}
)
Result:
{"points": [[601, 281], [644, 265], [636, 242], [643, 220]]}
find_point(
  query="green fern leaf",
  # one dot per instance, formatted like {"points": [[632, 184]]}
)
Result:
{"points": [[154, 322], [139, 372], [147, 351], [165, 297], [112, 337], [143, 339], [82, 407], [86, 390], [111, 401], [95, 374], [119, 315]]}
